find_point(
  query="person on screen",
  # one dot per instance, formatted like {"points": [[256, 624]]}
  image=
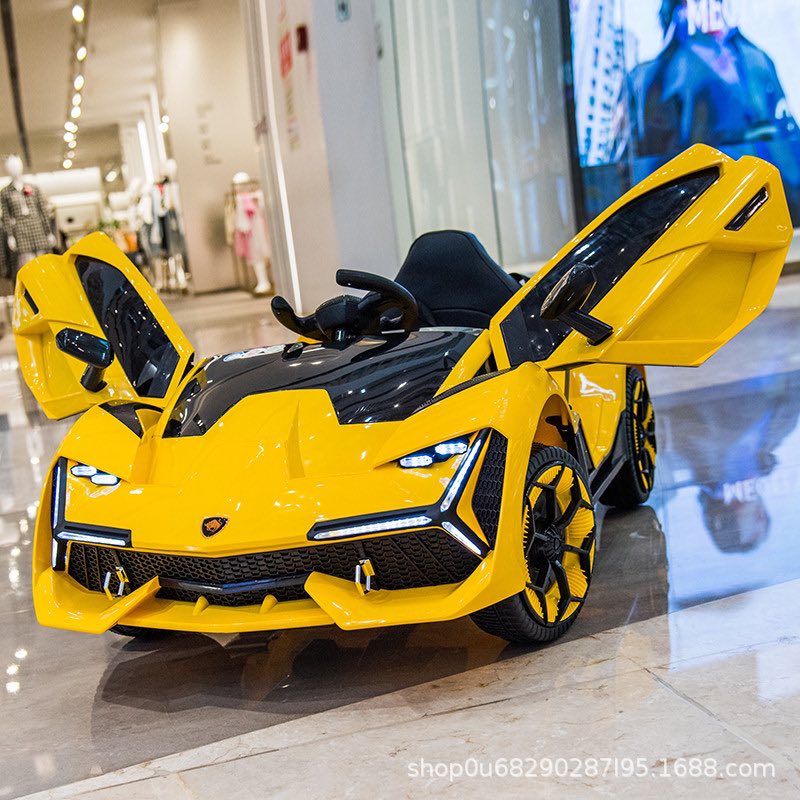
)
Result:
{"points": [[709, 84]]}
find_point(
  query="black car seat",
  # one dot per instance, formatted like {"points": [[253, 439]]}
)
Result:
{"points": [[454, 280]]}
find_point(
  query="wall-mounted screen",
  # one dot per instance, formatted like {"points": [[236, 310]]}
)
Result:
{"points": [[651, 77]]}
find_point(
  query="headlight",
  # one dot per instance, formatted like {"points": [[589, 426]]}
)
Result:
{"points": [[96, 476], [432, 455]]}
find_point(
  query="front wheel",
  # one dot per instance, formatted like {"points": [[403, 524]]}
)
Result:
{"points": [[558, 542]]}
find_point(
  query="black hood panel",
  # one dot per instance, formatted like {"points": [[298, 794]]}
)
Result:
{"points": [[373, 379]]}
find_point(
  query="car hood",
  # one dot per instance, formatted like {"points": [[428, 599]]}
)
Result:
{"points": [[370, 379], [273, 465]]}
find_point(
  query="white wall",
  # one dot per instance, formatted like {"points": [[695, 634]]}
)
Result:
{"points": [[329, 164], [300, 137], [205, 85]]}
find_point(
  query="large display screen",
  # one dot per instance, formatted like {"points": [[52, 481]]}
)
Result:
{"points": [[652, 77]]}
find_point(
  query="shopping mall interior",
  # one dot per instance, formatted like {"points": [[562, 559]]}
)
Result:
{"points": [[178, 442]]}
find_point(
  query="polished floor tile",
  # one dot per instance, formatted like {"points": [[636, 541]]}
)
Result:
{"points": [[721, 521]]}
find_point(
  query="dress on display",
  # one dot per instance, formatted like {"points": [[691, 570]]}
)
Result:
{"points": [[25, 218], [251, 240]]}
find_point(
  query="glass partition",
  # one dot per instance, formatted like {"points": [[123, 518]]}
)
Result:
{"points": [[475, 89]]}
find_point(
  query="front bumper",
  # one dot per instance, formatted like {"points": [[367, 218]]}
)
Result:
{"points": [[62, 603]]}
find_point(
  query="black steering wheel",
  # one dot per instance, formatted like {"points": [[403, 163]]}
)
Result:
{"points": [[348, 316]]}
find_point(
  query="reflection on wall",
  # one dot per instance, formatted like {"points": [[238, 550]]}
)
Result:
{"points": [[441, 114], [524, 97], [475, 89]]}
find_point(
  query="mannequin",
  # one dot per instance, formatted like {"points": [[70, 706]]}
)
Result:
{"points": [[172, 241], [251, 240], [25, 218]]}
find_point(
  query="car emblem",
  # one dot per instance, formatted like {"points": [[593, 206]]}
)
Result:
{"points": [[213, 525]]}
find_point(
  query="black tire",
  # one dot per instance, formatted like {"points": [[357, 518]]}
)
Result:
{"points": [[138, 633], [558, 539], [633, 483]]}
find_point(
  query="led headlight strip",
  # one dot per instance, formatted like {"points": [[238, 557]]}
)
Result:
{"points": [[65, 531], [431, 455], [96, 476], [397, 524], [440, 515], [457, 484]]}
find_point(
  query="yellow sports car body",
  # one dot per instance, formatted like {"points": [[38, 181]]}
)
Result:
{"points": [[430, 450]]}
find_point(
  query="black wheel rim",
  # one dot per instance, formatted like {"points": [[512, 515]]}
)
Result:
{"points": [[559, 541], [643, 422]]}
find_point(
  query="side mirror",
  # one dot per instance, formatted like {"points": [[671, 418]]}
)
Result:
{"points": [[95, 352], [565, 299]]}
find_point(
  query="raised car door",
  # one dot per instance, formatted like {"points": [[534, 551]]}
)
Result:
{"points": [[92, 306], [677, 267]]}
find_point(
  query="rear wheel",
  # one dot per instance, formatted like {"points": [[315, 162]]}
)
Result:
{"points": [[558, 541], [633, 483]]}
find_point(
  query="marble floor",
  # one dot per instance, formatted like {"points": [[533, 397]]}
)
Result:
{"points": [[687, 656]]}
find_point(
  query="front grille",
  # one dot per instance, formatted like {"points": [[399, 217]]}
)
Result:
{"points": [[489, 487], [402, 561]]}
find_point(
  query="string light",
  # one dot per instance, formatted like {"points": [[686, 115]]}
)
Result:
{"points": [[81, 51]]}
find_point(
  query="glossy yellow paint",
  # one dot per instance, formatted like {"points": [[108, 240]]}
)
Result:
{"points": [[277, 463], [596, 393], [53, 284], [698, 285], [310, 470]]}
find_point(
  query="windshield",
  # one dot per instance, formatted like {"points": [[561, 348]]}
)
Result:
{"points": [[373, 379]]}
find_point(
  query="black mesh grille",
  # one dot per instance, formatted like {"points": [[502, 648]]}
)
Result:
{"points": [[489, 487], [402, 561]]}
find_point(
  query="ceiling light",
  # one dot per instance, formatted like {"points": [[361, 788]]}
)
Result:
{"points": [[77, 99], [72, 145], [163, 127], [70, 126], [111, 175], [75, 112], [78, 82], [78, 14], [66, 163], [165, 119], [81, 53], [69, 136]]}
